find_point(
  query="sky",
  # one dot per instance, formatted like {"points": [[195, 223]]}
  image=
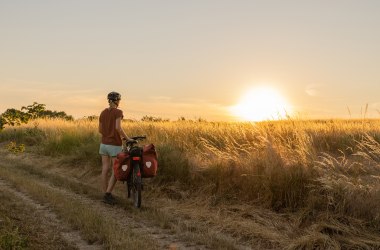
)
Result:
{"points": [[193, 59]]}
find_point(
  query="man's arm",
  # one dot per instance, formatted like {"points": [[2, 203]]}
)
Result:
{"points": [[100, 128], [120, 130]]}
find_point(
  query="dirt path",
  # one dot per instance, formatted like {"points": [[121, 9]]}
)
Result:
{"points": [[164, 238], [49, 219], [167, 223]]}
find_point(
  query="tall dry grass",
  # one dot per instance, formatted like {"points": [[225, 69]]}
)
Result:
{"points": [[324, 167]]}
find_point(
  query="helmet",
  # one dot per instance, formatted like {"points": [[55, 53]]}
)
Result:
{"points": [[113, 96]]}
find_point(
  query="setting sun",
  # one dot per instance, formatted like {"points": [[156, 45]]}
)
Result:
{"points": [[260, 104]]}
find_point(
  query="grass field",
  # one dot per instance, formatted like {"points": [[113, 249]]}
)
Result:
{"points": [[324, 173]]}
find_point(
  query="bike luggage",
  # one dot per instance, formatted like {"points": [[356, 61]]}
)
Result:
{"points": [[150, 162], [122, 166]]}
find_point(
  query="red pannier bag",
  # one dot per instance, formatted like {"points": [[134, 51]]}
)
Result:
{"points": [[150, 163], [122, 166]]}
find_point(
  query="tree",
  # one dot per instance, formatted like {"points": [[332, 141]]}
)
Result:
{"points": [[2, 122], [55, 114], [14, 117], [35, 110], [153, 119]]}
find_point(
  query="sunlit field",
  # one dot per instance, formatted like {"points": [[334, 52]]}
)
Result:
{"points": [[327, 172]]}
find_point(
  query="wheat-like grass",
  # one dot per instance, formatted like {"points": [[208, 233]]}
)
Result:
{"points": [[286, 164]]}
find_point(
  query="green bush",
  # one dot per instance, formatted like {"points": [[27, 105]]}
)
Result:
{"points": [[10, 237]]}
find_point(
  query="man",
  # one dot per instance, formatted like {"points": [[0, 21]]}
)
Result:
{"points": [[111, 144]]}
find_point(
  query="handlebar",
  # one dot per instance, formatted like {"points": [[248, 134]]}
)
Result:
{"points": [[135, 140], [139, 137]]}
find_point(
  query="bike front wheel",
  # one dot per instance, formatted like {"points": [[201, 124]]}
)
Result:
{"points": [[136, 186]]}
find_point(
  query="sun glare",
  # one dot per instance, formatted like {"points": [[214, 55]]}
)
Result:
{"points": [[260, 104]]}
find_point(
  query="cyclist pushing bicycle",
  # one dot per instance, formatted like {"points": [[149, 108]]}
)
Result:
{"points": [[111, 142], [133, 164]]}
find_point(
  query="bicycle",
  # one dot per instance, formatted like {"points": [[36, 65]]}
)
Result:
{"points": [[134, 181]]}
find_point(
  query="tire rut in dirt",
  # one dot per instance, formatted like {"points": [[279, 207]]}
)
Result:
{"points": [[49, 218], [118, 214]]}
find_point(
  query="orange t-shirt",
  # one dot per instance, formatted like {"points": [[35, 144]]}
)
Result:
{"points": [[107, 121]]}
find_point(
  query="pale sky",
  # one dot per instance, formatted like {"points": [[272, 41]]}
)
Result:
{"points": [[191, 58]]}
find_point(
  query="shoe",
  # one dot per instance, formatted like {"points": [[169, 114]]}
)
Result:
{"points": [[109, 199]]}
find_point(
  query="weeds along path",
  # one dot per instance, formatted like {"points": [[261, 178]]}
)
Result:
{"points": [[47, 220], [98, 222], [161, 223]]}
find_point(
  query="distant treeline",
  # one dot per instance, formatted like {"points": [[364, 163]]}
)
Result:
{"points": [[148, 118], [14, 117]]}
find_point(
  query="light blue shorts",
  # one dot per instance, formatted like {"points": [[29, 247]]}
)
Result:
{"points": [[109, 150]]}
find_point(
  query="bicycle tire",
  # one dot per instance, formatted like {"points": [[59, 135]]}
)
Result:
{"points": [[136, 186], [129, 185]]}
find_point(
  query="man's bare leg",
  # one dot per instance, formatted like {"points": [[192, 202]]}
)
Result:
{"points": [[112, 180], [106, 164]]}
